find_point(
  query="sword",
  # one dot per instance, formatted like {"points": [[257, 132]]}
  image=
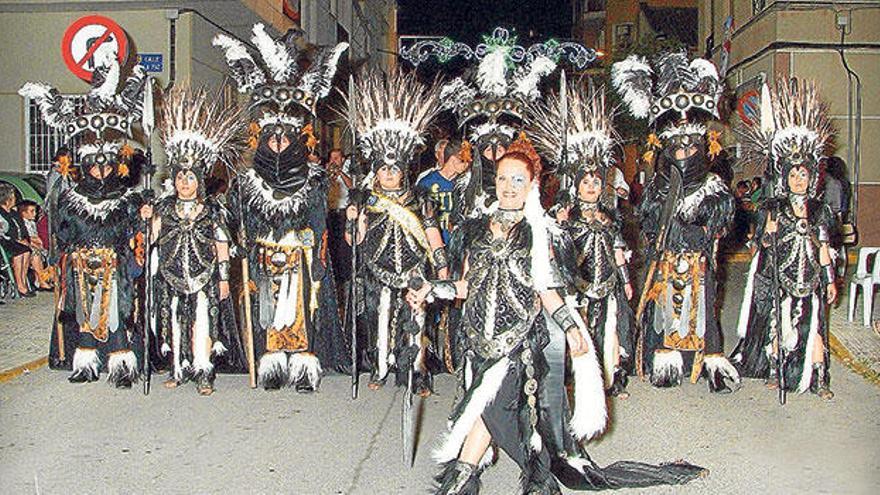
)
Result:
{"points": [[666, 215]]}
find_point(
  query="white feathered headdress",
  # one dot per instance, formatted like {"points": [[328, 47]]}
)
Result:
{"points": [[794, 130], [199, 128], [278, 82], [391, 115], [673, 84]]}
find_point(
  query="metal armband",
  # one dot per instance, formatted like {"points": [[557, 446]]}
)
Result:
{"points": [[440, 261], [828, 272], [562, 317], [824, 236], [223, 270], [623, 273]]}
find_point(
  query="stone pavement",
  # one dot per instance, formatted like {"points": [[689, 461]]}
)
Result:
{"points": [[24, 330]]}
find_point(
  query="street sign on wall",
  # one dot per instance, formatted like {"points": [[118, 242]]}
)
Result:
{"points": [[151, 62], [85, 37]]}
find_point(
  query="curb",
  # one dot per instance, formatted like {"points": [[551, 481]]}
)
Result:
{"points": [[34, 365], [847, 359]]}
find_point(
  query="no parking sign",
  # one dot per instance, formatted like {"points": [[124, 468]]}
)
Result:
{"points": [[88, 35]]}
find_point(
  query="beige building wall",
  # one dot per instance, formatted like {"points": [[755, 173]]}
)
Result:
{"points": [[31, 32], [783, 41]]}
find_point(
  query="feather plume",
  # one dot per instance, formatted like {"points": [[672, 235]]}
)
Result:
{"points": [[527, 78], [319, 78], [247, 74], [202, 124], [589, 135], [275, 54], [631, 78], [492, 73], [392, 113], [55, 108]]}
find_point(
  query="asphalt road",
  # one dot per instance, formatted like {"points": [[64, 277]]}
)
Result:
{"points": [[61, 438]]}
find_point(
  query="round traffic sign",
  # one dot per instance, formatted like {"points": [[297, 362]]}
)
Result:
{"points": [[749, 107], [90, 35]]}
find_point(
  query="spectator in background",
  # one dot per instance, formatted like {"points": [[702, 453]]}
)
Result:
{"points": [[13, 239], [439, 185], [836, 193], [340, 182], [618, 182], [438, 159], [28, 211], [757, 191]]}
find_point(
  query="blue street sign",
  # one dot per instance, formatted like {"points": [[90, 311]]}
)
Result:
{"points": [[152, 62]]}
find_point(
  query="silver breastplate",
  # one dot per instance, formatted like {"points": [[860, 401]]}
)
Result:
{"points": [[502, 303]]}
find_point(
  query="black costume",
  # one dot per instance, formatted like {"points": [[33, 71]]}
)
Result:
{"points": [[281, 204], [685, 210], [94, 224], [195, 322], [578, 134], [789, 140], [390, 116]]}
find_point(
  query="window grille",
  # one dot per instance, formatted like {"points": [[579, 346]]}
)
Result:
{"points": [[42, 140]]}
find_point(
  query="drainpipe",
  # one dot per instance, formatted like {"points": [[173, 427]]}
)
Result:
{"points": [[172, 15]]}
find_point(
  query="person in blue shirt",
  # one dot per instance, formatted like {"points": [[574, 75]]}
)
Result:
{"points": [[439, 185]]}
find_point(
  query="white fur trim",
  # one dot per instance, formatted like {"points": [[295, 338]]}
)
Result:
{"points": [[218, 348], [688, 129], [590, 415], [807, 373], [667, 365], [541, 224], [746, 304], [86, 359], [280, 118], [535, 441], [304, 365], [452, 441], [720, 364], [272, 363], [609, 343], [122, 364], [382, 330], [201, 335], [690, 205]]}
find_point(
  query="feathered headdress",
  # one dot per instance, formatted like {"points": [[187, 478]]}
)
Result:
{"points": [[673, 84], [391, 116], [794, 130], [278, 84], [108, 113], [586, 142], [199, 128]]}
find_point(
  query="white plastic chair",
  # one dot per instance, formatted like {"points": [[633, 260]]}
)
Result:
{"points": [[867, 279]]}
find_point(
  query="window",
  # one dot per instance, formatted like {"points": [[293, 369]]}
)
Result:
{"points": [[42, 141], [623, 35], [758, 6]]}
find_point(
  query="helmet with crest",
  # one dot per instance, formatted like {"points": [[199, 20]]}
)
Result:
{"points": [[104, 123]]}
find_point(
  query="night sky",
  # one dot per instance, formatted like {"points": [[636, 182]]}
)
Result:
{"points": [[467, 20]]}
